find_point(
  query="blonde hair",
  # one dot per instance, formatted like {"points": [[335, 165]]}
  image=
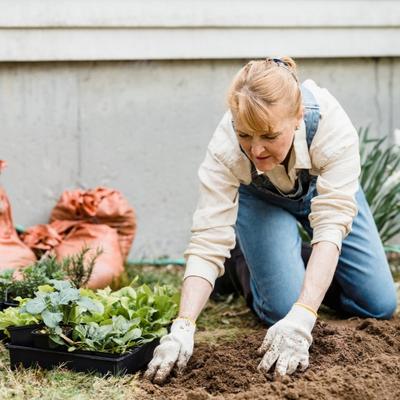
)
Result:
{"points": [[261, 85]]}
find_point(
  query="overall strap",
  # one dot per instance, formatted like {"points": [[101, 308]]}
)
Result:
{"points": [[311, 114]]}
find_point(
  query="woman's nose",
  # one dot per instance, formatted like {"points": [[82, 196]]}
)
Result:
{"points": [[257, 150]]}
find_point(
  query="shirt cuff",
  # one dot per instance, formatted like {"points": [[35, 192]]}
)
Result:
{"points": [[197, 266], [334, 236]]}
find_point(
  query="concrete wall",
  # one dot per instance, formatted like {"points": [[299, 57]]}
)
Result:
{"points": [[143, 127]]}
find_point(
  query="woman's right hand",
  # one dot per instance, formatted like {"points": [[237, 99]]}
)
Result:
{"points": [[174, 349]]}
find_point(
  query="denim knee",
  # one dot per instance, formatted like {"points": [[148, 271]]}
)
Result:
{"points": [[384, 307], [380, 307], [272, 313]]}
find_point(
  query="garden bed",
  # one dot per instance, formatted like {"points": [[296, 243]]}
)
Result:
{"points": [[349, 359]]}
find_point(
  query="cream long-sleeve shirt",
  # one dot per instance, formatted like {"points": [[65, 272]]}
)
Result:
{"points": [[333, 157]]}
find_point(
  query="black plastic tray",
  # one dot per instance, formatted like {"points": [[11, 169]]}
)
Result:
{"points": [[105, 363], [43, 341], [6, 304], [22, 335]]}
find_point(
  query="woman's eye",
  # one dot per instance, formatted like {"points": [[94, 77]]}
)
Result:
{"points": [[263, 137], [269, 138]]}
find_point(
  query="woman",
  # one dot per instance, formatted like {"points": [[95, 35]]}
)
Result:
{"points": [[283, 154]]}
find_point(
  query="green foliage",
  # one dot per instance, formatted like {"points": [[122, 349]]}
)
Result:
{"points": [[60, 303], [79, 267], [115, 337], [6, 279], [380, 179], [13, 316], [104, 320], [33, 276], [131, 316], [154, 275]]}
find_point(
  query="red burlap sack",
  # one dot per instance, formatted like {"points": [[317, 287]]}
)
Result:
{"points": [[13, 253], [99, 206], [109, 265]]}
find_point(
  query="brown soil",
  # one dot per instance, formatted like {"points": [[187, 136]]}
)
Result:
{"points": [[353, 359]]}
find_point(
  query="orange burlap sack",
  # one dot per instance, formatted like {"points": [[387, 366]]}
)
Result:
{"points": [[109, 264], [13, 253], [99, 206], [41, 238]]}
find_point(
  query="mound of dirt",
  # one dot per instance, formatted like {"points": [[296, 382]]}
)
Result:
{"points": [[352, 359]]}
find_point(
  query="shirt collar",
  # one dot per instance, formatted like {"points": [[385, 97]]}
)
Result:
{"points": [[302, 155]]}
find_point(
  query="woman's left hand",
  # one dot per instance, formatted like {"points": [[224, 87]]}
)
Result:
{"points": [[287, 342]]}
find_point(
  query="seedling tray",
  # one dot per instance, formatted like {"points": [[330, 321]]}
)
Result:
{"points": [[102, 363], [6, 304], [22, 335], [43, 341], [10, 303]]}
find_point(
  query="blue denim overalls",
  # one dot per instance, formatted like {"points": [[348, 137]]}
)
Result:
{"points": [[267, 233]]}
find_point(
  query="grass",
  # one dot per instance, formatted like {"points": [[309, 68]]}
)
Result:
{"points": [[219, 322], [61, 384]]}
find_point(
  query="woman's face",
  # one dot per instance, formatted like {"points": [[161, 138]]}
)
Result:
{"points": [[268, 149]]}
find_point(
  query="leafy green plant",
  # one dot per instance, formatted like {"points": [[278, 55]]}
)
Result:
{"points": [[132, 316], [104, 320], [380, 179], [114, 337], [60, 304], [12, 316]]}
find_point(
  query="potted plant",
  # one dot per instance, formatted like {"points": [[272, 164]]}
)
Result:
{"points": [[17, 325], [30, 279], [77, 268], [104, 331]]}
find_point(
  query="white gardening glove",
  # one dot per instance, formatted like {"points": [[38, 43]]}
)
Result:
{"points": [[287, 342], [174, 348]]}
